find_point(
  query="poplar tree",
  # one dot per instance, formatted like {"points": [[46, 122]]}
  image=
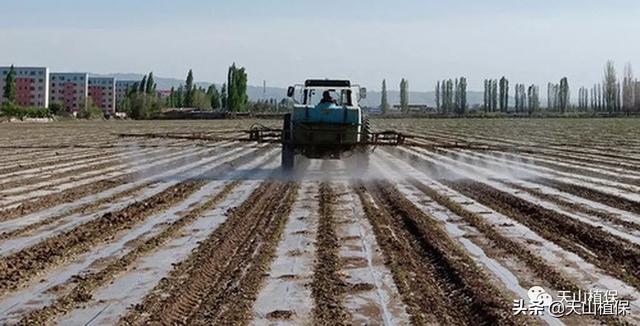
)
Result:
{"points": [[494, 96], [237, 98], [534, 99], [180, 97], [487, 92], [463, 95], [404, 95], [628, 89], [214, 96], [564, 96], [10, 91], [438, 96], [610, 87], [223, 97], [143, 84], [150, 88], [189, 90], [171, 101], [384, 102], [504, 94]]}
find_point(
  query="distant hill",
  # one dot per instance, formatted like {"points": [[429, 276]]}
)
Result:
{"points": [[256, 92]]}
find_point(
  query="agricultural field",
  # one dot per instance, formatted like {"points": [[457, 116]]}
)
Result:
{"points": [[184, 225]]}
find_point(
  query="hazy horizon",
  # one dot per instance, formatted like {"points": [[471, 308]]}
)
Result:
{"points": [[284, 43]]}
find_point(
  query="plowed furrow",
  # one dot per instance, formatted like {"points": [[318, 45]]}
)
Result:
{"points": [[205, 286], [438, 280], [79, 172], [328, 289], [576, 206], [537, 264], [614, 255], [575, 168], [86, 209], [593, 194], [74, 193], [20, 267], [34, 165], [69, 195], [87, 284]]}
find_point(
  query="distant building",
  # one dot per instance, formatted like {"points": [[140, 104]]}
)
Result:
{"points": [[103, 92], [163, 94], [415, 108], [32, 85], [122, 88], [69, 89]]}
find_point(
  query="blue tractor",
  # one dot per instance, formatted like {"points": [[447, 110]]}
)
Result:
{"points": [[328, 123]]}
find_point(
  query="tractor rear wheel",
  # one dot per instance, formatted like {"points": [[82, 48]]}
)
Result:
{"points": [[288, 151], [366, 130], [288, 157]]}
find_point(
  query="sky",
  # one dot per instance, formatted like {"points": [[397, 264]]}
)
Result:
{"points": [[284, 42]]}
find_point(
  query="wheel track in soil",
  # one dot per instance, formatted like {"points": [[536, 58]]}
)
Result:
{"points": [[510, 249], [587, 157], [85, 285], [575, 168], [60, 166], [614, 255], [327, 287], [592, 194], [32, 190], [538, 265], [22, 266], [39, 164], [218, 283], [561, 153], [520, 168], [89, 208], [114, 163], [439, 282], [599, 197], [91, 203], [47, 201], [575, 206]]}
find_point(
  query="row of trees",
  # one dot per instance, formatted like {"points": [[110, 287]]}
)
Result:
{"points": [[232, 96], [496, 95], [141, 101], [451, 96], [611, 95], [191, 96]]}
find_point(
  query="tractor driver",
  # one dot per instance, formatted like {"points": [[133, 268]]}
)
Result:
{"points": [[326, 98]]}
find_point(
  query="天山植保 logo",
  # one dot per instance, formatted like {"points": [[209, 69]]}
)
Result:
{"points": [[594, 302]]}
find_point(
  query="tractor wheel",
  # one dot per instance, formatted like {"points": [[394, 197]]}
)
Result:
{"points": [[286, 128], [288, 157], [288, 153], [366, 130]]}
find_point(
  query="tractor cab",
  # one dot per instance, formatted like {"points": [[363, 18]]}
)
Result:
{"points": [[327, 101]]}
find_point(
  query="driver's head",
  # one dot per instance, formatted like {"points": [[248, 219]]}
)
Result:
{"points": [[326, 95]]}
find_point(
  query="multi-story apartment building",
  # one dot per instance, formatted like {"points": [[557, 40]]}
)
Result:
{"points": [[69, 89], [32, 85], [103, 92]]}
